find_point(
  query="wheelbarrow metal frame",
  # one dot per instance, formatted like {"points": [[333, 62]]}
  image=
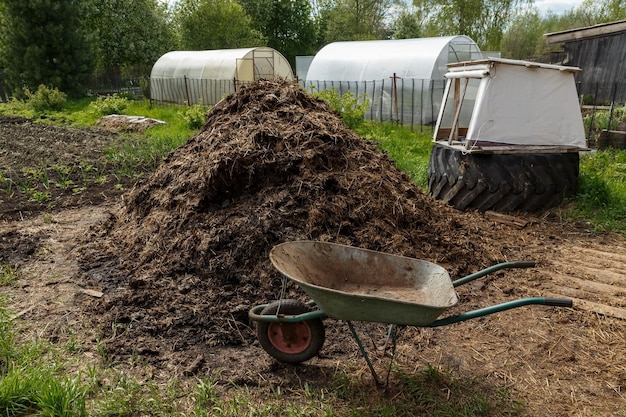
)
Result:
{"points": [[432, 319]]}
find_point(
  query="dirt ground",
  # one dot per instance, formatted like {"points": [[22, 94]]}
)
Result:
{"points": [[168, 270]]}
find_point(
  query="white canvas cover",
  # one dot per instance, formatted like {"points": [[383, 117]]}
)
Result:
{"points": [[524, 103], [194, 76]]}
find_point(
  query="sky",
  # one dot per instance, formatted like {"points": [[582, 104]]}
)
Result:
{"points": [[556, 6]]}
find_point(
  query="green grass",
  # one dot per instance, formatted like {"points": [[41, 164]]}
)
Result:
{"points": [[8, 274], [601, 194], [409, 149]]}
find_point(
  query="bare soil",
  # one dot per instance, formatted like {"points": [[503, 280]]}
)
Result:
{"points": [[168, 270]]}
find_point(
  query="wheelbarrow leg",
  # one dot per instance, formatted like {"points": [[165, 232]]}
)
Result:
{"points": [[391, 333], [379, 383]]}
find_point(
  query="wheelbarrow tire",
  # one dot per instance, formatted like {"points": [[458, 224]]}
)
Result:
{"points": [[291, 342]]}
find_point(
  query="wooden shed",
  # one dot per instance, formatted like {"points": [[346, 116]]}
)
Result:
{"points": [[600, 51]]}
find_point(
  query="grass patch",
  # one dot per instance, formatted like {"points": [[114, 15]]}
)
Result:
{"points": [[409, 149], [601, 195], [8, 275], [135, 154]]}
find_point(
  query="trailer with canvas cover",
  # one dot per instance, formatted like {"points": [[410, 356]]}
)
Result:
{"points": [[507, 137]]}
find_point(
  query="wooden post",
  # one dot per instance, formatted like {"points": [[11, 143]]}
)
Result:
{"points": [[395, 95], [187, 91]]}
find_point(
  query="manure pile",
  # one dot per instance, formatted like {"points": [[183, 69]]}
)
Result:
{"points": [[187, 256]]}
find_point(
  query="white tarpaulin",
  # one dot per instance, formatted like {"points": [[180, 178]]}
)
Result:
{"points": [[523, 103]]}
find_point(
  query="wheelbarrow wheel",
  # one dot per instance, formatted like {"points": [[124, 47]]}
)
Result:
{"points": [[291, 342]]}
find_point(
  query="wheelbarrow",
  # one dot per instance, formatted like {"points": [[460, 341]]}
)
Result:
{"points": [[355, 284]]}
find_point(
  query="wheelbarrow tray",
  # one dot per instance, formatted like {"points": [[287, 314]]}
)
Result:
{"points": [[356, 284]]}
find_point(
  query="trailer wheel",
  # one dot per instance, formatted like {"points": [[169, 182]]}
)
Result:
{"points": [[501, 182], [291, 342]]}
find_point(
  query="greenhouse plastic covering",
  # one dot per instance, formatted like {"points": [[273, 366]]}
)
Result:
{"points": [[206, 76], [402, 79]]}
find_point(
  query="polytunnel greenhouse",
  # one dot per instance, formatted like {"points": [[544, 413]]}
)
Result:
{"points": [[194, 77], [402, 79]]}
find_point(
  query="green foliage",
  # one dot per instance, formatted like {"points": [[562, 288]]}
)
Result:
{"points": [[144, 85], [358, 20], [8, 274], [588, 99], [482, 20], [114, 104], [130, 32], [524, 38], [195, 116], [601, 194], [287, 25], [30, 386], [46, 42], [592, 12], [351, 108], [604, 119], [45, 99], [230, 26], [408, 25], [409, 149]]}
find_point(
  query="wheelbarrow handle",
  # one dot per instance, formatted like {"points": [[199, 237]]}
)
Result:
{"points": [[492, 269], [556, 302]]}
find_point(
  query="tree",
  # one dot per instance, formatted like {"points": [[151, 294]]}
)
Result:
{"points": [[215, 24], [46, 42], [523, 38], [130, 32], [359, 20], [482, 20], [409, 24], [287, 25]]}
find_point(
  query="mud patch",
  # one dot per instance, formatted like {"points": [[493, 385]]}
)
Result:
{"points": [[17, 247]]}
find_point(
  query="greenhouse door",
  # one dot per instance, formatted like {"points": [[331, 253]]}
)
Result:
{"points": [[245, 70], [264, 64]]}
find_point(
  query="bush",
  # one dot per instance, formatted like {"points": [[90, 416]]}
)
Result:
{"points": [[195, 116], [351, 108], [114, 104], [45, 99], [588, 100], [601, 119]]}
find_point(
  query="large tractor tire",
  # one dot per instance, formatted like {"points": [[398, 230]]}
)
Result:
{"points": [[501, 182]]}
